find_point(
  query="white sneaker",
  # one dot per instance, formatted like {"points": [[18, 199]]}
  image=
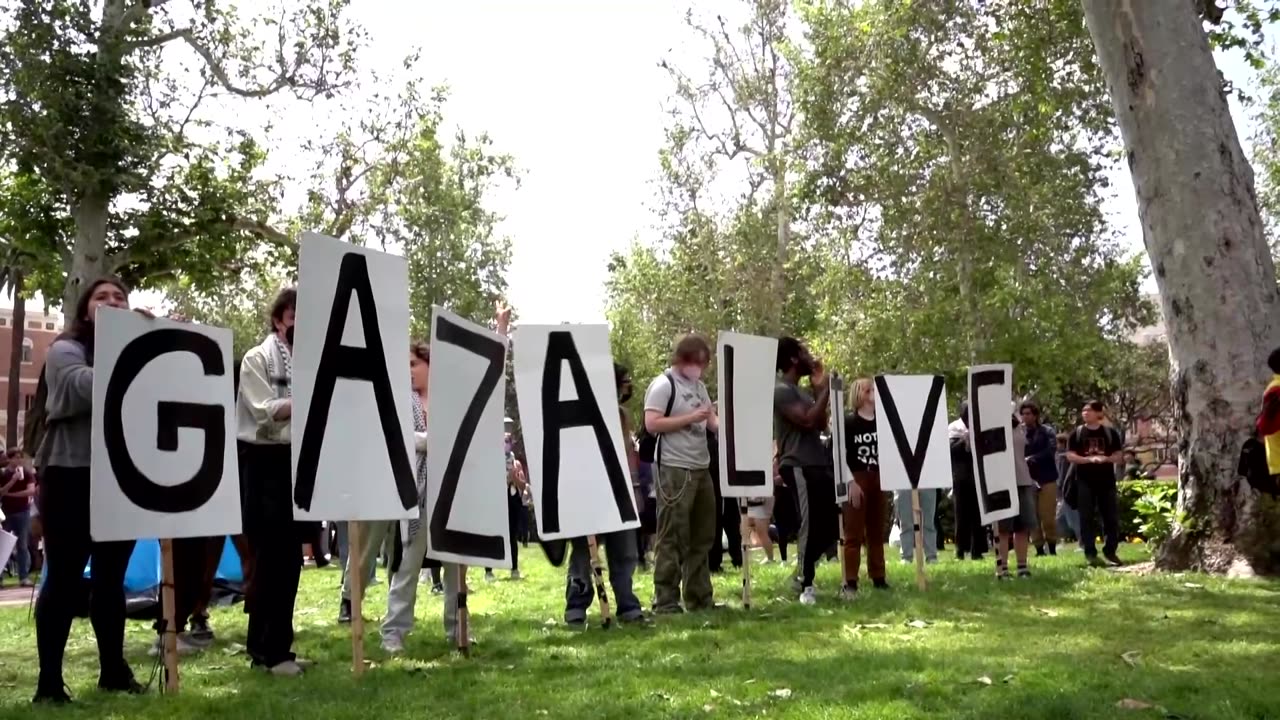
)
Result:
{"points": [[809, 596], [515, 575], [288, 668], [847, 594], [392, 645]]}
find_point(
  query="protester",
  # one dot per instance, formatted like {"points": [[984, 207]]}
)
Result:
{"points": [[678, 411], [264, 410], [1040, 443], [17, 486], [1017, 529], [805, 464], [728, 530], [619, 547], [971, 535], [193, 579], [1068, 517], [864, 521], [647, 507], [1095, 449], [63, 464], [517, 488]]}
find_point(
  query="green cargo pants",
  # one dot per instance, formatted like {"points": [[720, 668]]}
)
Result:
{"points": [[686, 530]]}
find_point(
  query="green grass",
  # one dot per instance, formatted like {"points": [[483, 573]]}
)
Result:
{"points": [[1051, 647]]}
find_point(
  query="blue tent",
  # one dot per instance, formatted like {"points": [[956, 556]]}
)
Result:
{"points": [[144, 566]]}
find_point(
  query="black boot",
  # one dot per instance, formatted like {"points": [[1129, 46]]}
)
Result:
{"points": [[121, 681], [1053, 548], [344, 613], [1040, 550]]}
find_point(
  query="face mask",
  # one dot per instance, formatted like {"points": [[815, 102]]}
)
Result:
{"points": [[691, 372], [288, 335]]}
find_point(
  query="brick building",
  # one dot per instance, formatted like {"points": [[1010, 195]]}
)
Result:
{"points": [[41, 328]]}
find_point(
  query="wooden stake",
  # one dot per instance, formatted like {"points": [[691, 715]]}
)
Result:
{"points": [[918, 516], [169, 639], [606, 615], [745, 531], [355, 568], [464, 615]]}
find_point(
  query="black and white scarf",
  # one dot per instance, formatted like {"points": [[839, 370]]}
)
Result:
{"points": [[280, 367], [412, 526]]}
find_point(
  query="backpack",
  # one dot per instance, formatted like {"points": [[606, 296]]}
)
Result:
{"points": [[1253, 468], [648, 445], [36, 424]]}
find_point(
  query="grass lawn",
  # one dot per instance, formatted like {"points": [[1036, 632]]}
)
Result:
{"points": [[1069, 643]]}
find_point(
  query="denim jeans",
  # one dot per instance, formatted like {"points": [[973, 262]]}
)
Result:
{"points": [[19, 524], [906, 521], [620, 550]]}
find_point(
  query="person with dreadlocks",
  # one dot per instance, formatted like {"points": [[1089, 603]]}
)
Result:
{"points": [[63, 463]]}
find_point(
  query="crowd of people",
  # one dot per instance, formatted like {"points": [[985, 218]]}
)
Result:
{"points": [[674, 470]]}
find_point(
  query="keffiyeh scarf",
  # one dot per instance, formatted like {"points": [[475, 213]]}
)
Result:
{"points": [[280, 367], [419, 425]]}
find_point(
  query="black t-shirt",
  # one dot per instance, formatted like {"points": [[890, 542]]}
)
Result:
{"points": [[1100, 441], [860, 444]]}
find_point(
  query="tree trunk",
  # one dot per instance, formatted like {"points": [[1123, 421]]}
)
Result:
{"points": [[1217, 283], [14, 401], [89, 256]]}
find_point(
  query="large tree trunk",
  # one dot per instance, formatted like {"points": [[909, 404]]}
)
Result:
{"points": [[14, 401], [1217, 283], [89, 255]]}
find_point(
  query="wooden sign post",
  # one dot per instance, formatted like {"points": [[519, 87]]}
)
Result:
{"points": [[917, 516], [169, 638], [464, 615], [606, 615], [745, 531]]}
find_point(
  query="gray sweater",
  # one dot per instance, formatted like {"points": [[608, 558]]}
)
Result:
{"points": [[69, 404]]}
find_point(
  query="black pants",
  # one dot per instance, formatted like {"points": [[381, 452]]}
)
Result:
{"points": [[815, 488], [515, 526], [971, 535], [64, 512], [194, 566], [1100, 495], [728, 529], [276, 542]]}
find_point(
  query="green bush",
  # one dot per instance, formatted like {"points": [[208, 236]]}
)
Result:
{"points": [[1148, 509]]}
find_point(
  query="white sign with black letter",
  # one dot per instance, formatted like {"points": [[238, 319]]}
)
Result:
{"points": [[747, 372], [164, 434], [466, 470], [572, 430], [991, 438], [839, 456], [911, 414], [352, 410]]}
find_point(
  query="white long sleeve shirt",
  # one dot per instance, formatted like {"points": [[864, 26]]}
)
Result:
{"points": [[259, 401]]}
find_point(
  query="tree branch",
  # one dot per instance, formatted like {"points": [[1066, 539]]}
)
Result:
{"points": [[158, 40], [255, 227]]}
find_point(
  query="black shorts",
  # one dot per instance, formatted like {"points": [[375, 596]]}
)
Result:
{"points": [[1025, 520]]}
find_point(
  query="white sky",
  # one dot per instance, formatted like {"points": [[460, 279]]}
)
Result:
{"points": [[571, 89]]}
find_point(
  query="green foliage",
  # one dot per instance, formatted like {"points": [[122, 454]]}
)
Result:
{"points": [[1148, 509], [95, 103]]}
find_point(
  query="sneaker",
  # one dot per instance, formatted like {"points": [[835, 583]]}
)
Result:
{"points": [[344, 613], [809, 596], [640, 620], [1095, 561], [288, 668], [424, 577], [576, 625], [515, 575], [1112, 560], [883, 584], [124, 684], [1053, 549], [392, 645], [1040, 551], [437, 589], [1024, 572], [185, 647], [848, 592], [668, 610], [26, 583], [797, 585], [488, 576], [931, 560], [1002, 572], [200, 630]]}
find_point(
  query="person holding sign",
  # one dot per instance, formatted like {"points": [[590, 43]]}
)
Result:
{"points": [[264, 410], [63, 462], [678, 412], [864, 521], [1017, 529], [799, 417]]}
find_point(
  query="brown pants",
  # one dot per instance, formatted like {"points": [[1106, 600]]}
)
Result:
{"points": [[1047, 514], [862, 526]]}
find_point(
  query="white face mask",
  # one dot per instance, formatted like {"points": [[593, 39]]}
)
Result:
{"points": [[691, 372]]}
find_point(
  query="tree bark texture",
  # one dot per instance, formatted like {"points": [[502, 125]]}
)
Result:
{"points": [[1204, 236]]}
